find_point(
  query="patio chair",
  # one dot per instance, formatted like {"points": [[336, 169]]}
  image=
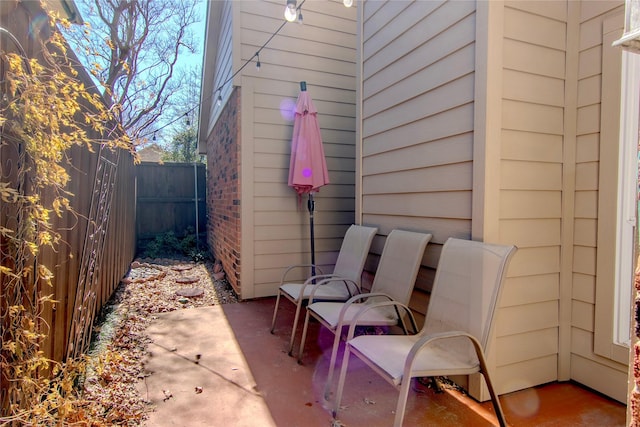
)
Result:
{"points": [[342, 284], [394, 281], [457, 327]]}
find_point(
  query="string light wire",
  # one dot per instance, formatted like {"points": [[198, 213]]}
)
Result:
{"points": [[223, 84]]}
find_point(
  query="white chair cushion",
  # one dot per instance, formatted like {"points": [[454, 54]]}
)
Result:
{"points": [[336, 292], [433, 359], [330, 313]]}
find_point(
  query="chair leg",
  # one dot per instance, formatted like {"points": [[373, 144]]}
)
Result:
{"points": [[275, 312], [332, 362], [494, 399], [402, 401], [304, 336], [485, 373], [295, 324], [343, 375]]}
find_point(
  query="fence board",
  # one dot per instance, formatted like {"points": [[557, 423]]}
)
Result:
{"points": [[166, 199], [64, 262]]}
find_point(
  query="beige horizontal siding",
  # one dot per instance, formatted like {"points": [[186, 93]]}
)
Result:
{"points": [[590, 62], [223, 61], [417, 122], [278, 232], [405, 17], [587, 147], [535, 232], [417, 126], [548, 31], [556, 10], [322, 53], [529, 345], [521, 86], [586, 204], [440, 204], [531, 146], [523, 375], [585, 232], [539, 60], [591, 373], [448, 150], [583, 361], [454, 94], [584, 288], [442, 228], [582, 315], [525, 318], [587, 176], [582, 346], [426, 65], [439, 126], [427, 179], [584, 259], [531, 261], [532, 117], [530, 289], [530, 204], [538, 176]]}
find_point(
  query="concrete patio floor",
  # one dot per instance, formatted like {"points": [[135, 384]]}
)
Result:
{"points": [[244, 377]]}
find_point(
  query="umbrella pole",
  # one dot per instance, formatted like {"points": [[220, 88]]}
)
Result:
{"points": [[311, 204]]}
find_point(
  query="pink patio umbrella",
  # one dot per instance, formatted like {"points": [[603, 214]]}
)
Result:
{"points": [[307, 166]]}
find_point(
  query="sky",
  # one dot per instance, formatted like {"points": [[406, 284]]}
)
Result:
{"points": [[198, 29], [186, 60]]}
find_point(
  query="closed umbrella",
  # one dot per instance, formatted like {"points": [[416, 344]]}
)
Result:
{"points": [[307, 166]]}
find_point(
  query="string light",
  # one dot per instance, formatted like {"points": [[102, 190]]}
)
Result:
{"points": [[290, 11], [258, 64], [347, 3], [300, 15], [255, 55]]}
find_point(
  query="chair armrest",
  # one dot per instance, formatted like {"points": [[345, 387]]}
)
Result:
{"points": [[367, 295], [329, 278], [367, 307], [313, 279], [354, 300], [296, 266]]}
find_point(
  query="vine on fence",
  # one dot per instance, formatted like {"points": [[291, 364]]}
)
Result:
{"points": [[44, 111]]}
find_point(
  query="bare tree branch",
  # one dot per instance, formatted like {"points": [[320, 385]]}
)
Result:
{"points": [[133, 48]]}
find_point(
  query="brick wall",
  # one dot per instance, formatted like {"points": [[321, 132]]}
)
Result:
{"points": [[223, 190]]}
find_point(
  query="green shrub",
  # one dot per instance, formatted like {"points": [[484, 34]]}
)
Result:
{"points": [[168, 244]]}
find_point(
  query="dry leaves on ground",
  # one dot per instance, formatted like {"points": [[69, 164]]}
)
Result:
{"points": [[116, 358]]}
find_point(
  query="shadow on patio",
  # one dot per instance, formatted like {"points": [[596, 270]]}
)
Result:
{"points": [[247, 379]]}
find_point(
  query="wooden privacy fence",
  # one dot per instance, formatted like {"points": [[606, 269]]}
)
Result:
{"points": [[97, 239], [98, 245], [170, 198]]}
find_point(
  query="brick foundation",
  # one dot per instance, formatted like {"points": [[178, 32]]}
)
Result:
{"points": [[223, 190]]}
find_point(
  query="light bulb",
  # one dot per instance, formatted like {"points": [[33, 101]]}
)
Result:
{"points": [[300, 16], [219, 102], [290, 11], [347, 3]]}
